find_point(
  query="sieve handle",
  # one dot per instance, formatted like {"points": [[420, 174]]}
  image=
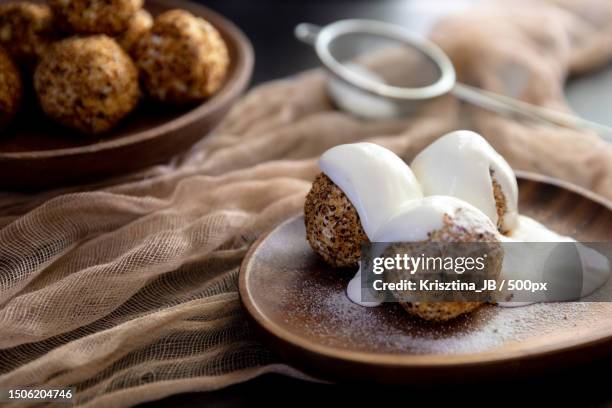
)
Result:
{"points": [[505, 104]]}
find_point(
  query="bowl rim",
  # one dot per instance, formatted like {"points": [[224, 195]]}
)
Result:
{"points": [[234, 84], [276, 334]]}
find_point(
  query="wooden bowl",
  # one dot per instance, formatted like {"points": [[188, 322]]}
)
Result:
{"points": [[36, 153], [299, 306]]}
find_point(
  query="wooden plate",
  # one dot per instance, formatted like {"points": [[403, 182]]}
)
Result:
{"points": [[36, 153], [299, 305]]}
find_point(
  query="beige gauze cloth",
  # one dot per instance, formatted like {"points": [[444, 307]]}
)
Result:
{"points": [[127, 290]]}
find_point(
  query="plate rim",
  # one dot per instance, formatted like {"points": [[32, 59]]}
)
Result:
{"points": [[602, 335], [233, 86]]}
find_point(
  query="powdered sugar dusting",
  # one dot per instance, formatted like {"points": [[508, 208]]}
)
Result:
{"points": [[304, 296], [336, 321]]}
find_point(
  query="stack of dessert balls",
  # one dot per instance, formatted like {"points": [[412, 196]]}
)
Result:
{"points": [[91, 61]]}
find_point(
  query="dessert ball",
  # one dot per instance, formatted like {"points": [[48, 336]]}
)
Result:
{"points": [[10, 89], [457, 231], [333, 228], [440, 311], [360, 187], [94, 16], [139, 26], [182, 59], [501, 204], [26, 30], [88, 83], [463, 164]]}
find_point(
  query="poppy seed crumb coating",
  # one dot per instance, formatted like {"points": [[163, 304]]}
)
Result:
{"points": [[109, 17], [500, 202], [26, 30], [454, 230], [182, 59], [87, 83], [139, 26], [10, 89], [333, 228], [440, 311]]}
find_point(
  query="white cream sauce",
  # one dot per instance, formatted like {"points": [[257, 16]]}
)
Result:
{"points": [[412, 221], [377, 182], [533, 262], [374, 179], [458, 164], [353, 292], [454, 172], [529, 230]]}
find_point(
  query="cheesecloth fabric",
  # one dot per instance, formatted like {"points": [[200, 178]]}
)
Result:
{"points": [[127, 289]]}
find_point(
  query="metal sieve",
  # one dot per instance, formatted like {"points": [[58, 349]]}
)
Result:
{"points": [[343, 48]]}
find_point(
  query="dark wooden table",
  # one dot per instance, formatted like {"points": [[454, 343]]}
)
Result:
{"points": [[587, 386], [269, 24]]}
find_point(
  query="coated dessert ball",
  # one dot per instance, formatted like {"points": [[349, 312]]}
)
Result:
{"points": [[457, 223], [182, 59], [94, 16], [10, 89], [88, 83], [463, 164], [26, 30], [501, 203], [333, 228], [139, 26], [440, 311]]}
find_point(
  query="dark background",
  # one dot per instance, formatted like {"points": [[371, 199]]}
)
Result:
{"points": [[269, 25]]}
